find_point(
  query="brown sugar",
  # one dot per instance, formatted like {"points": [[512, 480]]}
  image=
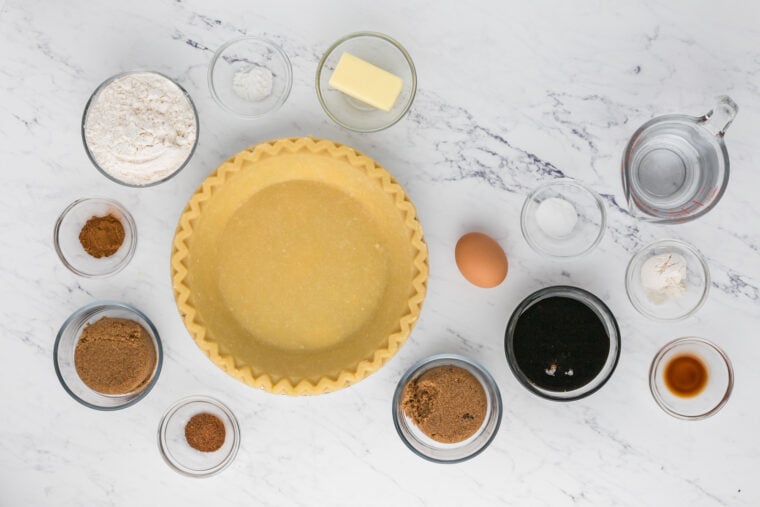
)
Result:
{"points": [[115, 356], [446, 402], [102, 236], [205, 432]]}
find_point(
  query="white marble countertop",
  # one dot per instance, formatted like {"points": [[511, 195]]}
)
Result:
{"points": [[510, 94]]}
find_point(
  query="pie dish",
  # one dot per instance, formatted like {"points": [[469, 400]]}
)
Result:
{"points": [[299, 266]]}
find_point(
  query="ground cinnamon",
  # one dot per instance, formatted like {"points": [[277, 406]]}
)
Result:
{"points": [[115, 356], [102, 236], [446, 402], [205, 432]]}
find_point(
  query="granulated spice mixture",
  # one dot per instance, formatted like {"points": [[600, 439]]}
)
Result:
{"points": [[446, 402], [115, 356], [102, 236], [205, 432]]}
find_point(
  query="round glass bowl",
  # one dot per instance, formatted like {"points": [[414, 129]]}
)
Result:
{"points": [[69, 248], [606, 318], [66, 342], [714, 395], [250, 77], [381, 51], [177, 452], [439, 452], [165, 175], [585, 235], [697, 282]]}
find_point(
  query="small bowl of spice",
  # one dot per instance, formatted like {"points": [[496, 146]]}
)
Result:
{"points": [[667, 280], [366, 81], [562, 343], [95, 237], [691, 378], [198, 436], [107, 355], [563, 219], [250, 77], [447, 408], [140, 128]]}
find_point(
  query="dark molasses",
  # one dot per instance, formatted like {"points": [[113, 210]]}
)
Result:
{"points": [[560, 343]]}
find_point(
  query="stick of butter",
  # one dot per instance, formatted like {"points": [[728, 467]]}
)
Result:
{"points": [[366, 82]]}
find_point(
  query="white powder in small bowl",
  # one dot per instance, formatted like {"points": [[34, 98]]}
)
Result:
{"points": [[140, 128], [253, 85], [556, 217]]}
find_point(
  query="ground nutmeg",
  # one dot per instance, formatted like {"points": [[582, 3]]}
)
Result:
{"points": [[205, 432]]}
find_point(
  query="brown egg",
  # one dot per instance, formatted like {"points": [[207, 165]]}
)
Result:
{"points": [[481, 260]]}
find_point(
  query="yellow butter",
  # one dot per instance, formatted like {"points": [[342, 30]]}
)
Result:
{"points": [[366, 82]]}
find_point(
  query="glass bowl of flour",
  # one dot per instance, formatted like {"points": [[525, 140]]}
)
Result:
{"points": [[250, 77], [140, 128]]}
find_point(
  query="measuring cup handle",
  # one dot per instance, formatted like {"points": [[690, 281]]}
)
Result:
{"points": [[721, 116]]}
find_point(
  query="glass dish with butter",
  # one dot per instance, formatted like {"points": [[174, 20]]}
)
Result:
{"points": [[366, 82]]}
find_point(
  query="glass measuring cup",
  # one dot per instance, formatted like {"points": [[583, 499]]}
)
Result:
{"points": [[675, 167]]}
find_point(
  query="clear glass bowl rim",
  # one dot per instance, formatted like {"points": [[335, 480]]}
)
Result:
{"points": [[266, 42], [130, 224], [653, 377], [162, 446], [563, 182], [356, 35], [156, 341], [87, 109], [542, 294], [648, 247], [455, 358]]}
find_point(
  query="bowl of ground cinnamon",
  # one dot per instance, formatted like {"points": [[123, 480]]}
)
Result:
{"points": [[447, 408], [95, 237], [107, 355], [198, 436]]}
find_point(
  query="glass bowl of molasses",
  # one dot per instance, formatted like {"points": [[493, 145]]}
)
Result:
{"points": [[562, 343], [691, 378]]}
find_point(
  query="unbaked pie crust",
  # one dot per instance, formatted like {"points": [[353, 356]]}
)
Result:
{"points": [[299, 266]]}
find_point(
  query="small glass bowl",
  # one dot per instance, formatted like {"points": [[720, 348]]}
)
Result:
{"points": [[697, 282], [177, 452], [439, 452], [243, 55], [92, 157], [588, 231], [712, 398], [69, 248], [607, 319], [66, 342], [377, 49]]}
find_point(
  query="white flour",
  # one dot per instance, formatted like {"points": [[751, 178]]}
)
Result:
{"points": [[140, 128]]}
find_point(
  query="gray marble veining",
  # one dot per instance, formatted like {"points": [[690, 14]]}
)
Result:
{"points": [[510, 95]]}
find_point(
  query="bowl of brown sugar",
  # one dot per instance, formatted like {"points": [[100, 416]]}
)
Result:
{"points": [[107, 355], [447, 408], [95, 237]]}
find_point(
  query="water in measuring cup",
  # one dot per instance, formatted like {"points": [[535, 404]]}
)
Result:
{"points": [[674, 168]]}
